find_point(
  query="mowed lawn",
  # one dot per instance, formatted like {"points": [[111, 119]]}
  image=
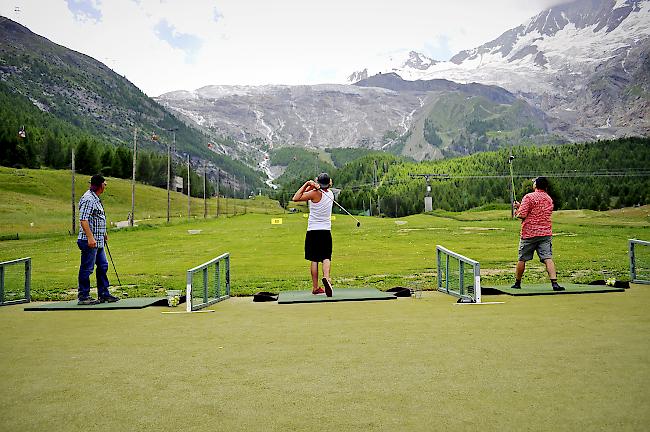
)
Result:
{"points": [[560, 362], [553, 363], [381, 253]]}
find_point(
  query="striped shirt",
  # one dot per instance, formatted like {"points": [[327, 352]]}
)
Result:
{"points": [[536, 209], [91, 210]]}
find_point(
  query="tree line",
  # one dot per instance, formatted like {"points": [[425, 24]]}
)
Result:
{"points": [[597, 175], [32, 137]]}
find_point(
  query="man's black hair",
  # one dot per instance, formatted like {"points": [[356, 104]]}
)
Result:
{"points": [[541, 183], [97, 180]]}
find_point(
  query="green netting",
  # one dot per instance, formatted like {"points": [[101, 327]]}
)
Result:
{"points": [[640, 261], [456, 274], [209, 282], [15, 281]]}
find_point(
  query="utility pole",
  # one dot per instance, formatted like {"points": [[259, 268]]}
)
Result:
{"points": [[74, 205], [169, 167], [169, 174], [226, 205], [512, 186], [235, 189], [218, 181], [135, 146], [189, 201], [205, 202], [428, 200]]}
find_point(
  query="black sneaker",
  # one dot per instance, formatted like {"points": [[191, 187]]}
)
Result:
{"points": [[108, 299], [516, 285], [87, 301], [328, 287], [557, 287]]}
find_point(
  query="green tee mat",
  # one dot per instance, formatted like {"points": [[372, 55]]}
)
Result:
{"points": [[125, 303], [545, 289], [338, 294]]}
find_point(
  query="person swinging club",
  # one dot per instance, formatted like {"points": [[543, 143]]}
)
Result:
{"points": [[318, 240], [535, 212]]}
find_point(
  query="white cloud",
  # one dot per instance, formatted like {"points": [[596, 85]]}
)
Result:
{"points": [[259, 41]]}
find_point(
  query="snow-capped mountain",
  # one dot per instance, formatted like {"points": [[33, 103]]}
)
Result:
{"points": [[571, 37], [410, 65], [578, 71], [587, 56]]}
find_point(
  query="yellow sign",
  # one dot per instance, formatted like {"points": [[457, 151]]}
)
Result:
{"points": [[277, 221]]}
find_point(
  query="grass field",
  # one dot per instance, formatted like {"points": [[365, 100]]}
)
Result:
{"points": [[381, 253], [563, 362], [553, 363], [36, 203]]}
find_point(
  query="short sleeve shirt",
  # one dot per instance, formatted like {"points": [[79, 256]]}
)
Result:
{"points": [[91, 209], [536, 209]]}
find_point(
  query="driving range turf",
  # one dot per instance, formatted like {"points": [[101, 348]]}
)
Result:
{"points": [[533, 363], [554, 362]]}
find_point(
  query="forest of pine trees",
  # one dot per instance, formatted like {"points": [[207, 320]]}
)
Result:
{"points": [[599, 176]]}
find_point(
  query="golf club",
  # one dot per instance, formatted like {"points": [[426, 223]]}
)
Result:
{"points": [[512, 178], [114, 269], [334, 201]]}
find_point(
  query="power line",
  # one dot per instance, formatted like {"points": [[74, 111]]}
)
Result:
{"points": [[630, 172]]}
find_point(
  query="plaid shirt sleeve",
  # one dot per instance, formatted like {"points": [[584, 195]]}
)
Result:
{"points": [[85, 209], [91, 210]]}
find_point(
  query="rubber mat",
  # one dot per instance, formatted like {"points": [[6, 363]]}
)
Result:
{"points": [[338, 294]]}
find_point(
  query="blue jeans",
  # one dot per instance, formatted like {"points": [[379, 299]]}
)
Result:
{"points": [[89, 258]]}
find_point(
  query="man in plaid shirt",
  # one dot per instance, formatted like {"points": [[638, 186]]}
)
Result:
{"points": [[536, 233], [91, 240]]}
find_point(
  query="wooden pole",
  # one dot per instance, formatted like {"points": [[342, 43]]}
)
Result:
{"points": [[218, 180], [205, 202], [135, 147], [189, 202], [169, 168], [74, 204]]}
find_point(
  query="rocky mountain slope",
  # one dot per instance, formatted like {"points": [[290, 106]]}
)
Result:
{"points": [[586, 63], [91, 98], [382, 112]]}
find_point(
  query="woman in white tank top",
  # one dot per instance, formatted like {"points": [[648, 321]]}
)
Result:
{"points": [[318, 240]]}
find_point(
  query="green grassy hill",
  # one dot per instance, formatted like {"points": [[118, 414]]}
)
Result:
{"points": [[61, 95], [43, 197]]}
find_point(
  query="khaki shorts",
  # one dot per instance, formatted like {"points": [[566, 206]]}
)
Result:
{"points": [[543, 245]]}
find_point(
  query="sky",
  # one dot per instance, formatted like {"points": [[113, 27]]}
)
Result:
{"points": [[167, 45]]}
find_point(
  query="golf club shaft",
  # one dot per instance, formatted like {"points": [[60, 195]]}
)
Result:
{"points": [[334, 201], [512, 182], [112, 262]]}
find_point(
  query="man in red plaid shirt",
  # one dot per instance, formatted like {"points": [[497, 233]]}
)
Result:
{"points": [[536, 233]]}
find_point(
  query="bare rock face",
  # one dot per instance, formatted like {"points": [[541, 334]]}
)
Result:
{"points": [[383, 112], [318, 116]]}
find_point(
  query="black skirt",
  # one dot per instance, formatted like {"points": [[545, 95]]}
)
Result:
{"points": [[318, 245]]}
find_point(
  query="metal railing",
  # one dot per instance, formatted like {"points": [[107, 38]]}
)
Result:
{"points": [[447, 282], [4, 295], [210, 291], [639, 273]]}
